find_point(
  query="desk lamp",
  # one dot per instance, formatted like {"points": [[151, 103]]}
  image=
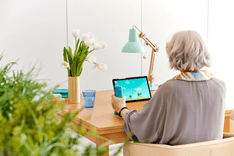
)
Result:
{"points": [[134, 46]]}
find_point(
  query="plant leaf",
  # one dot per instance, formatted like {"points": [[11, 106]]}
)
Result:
{"points": [[65, 54], [79, 71], [81, 48], [74, 67], [69, 57], [76, 50], [70, 52]]}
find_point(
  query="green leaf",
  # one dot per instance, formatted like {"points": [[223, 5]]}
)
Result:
{"points": [[90, 51], [69, 57], [70, 52], [81, 44], [65, 54], [76, 50], [76, 57], [68, 70], [83, 130], [74, 67], [17, 130], [81, 48], [34, 129], [79, 71], [87, 50]]}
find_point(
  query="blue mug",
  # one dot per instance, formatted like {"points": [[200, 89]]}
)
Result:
{"points": [[118, 93]]}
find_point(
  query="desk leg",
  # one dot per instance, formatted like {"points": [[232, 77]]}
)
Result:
{"points": [[226, 125], [100, 142]]}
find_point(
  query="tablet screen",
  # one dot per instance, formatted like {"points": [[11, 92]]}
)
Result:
{"points": [[135, 89]]}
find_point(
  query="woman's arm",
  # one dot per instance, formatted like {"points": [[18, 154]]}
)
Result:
{"points": [[123, 112]]}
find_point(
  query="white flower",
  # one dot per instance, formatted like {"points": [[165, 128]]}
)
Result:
{"points": [[103, 44], [94, 40], [88, 42], [97, 46], [91, 59], [75, 32], [102, 67], [64, 65], [94, 66], [84, 37], [91, 35]]}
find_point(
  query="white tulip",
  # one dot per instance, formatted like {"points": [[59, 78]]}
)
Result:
{"points": [[91, 59], [84, 37], [94, 66], [94, 40], [97, 46], [75, 32], [102, 67], [91, 35], [88, 42], [64, 65], [103, 44]]}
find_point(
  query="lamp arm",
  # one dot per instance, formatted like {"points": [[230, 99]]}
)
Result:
{"points": [[145, 39], [151, 68], [136, 28], [154, 49]]}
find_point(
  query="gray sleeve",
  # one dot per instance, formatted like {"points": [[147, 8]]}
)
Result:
{"points": [[222, 84], [148, 122]]}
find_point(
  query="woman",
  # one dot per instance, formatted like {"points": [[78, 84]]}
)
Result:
{"points": [[188, 108]]}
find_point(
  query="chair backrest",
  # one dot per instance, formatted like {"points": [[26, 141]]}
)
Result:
{"points": [[222, 147]]}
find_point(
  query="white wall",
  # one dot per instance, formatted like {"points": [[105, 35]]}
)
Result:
{"points": [[34, 31], [161, 19], [221, 34], [109, 21]]}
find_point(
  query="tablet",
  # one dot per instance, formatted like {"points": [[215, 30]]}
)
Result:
{"points": [[134, 88]]}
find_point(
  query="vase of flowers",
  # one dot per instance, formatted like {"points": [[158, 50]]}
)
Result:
{"points": [[73, 61]]}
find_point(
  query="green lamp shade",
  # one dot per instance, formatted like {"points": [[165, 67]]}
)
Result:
{"points": [[133, 46]]}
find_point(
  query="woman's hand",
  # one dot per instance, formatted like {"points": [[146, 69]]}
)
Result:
{"points": [[118, 103]]}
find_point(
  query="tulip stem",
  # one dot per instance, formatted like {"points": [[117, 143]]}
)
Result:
{"points": [[75, 40], [90, 51]]}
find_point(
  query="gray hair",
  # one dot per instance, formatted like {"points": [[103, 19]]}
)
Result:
{"points": [[187, 51]]}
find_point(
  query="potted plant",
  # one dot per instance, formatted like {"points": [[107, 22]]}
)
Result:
{"points": [[73, 61], [29, 124]]}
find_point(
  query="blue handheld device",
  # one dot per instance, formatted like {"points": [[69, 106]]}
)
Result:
{"points": [[118, 93]]}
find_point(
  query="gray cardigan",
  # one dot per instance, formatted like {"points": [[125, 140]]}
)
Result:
{"points": [[180, 112]]}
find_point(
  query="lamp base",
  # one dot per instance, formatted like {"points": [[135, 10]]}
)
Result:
{"points": [[152, 86]]}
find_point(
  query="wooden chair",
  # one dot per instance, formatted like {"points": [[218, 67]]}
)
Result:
{"points": [[222, 147]]}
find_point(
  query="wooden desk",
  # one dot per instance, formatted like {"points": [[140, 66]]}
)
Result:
{"points": [[228, 113], [108, 124]]}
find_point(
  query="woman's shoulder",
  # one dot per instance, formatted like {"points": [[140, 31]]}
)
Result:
{"points": [[221, 83], [168, 85]]}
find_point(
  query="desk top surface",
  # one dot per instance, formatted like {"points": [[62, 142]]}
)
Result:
{"points": [[102, 114]]}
